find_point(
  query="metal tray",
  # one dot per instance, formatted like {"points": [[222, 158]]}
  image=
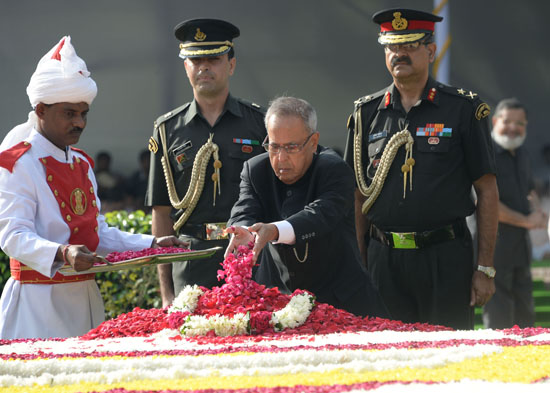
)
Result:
{"points": [[143, 261]]}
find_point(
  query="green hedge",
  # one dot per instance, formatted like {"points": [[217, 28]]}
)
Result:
{"points": [[122, 290]]}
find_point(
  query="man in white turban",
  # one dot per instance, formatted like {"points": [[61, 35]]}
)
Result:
{"points": [[49, 210]]}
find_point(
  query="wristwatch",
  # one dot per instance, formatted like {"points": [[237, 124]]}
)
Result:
{"points": [[488, 270]]}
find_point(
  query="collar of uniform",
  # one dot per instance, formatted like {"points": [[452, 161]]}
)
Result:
{"points": [[231, 105], [37, 139], [391, 90], [430, 93]]}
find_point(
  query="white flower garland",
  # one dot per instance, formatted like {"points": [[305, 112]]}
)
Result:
{"points": [[294, 314], [187, 299]]}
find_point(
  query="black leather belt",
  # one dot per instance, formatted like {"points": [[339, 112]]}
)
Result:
{"points": [[416, 240], [206, 231]]}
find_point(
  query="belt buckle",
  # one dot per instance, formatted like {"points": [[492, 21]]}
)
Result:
{"points": [[216, 230], [404, 240]]}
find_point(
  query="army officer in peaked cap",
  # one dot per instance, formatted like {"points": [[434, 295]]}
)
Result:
{"points": [[417, 147], [216, 132]]}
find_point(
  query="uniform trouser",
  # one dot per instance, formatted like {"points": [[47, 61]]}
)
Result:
{"points": [[512, 304], [199, 271], [430, 285]]}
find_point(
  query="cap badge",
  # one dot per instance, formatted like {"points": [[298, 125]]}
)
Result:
{"points": [[199, 35], [399, 23]]}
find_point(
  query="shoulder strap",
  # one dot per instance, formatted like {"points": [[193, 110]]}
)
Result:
{"points": [[9, 157]]}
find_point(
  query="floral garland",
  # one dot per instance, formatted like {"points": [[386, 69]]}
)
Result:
{"points": [[261, 310]]}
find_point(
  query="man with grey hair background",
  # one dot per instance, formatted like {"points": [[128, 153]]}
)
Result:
{"points": [[518, 212], [296, 203]]}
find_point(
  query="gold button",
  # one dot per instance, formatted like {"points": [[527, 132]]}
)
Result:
{"points": [[75, 230], [72, 166], [44, 160], [63, 205], [95, 229], [55, 192], [91, 190], [93, 203], [50, 177], [69, 218], [96, 214], [77, 160], [26, 143]]}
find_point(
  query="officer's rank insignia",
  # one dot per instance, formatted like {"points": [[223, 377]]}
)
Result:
{"points": [[153, 145], [431, 94], [483, 110], [399, 23], [199, 35], [387, 99], [470, 94], [434, 129], [433, 140]]}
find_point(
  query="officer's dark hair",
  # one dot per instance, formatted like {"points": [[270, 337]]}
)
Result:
{"points": [[231, 54], [292, 106], [428, 39], [509, 103]]}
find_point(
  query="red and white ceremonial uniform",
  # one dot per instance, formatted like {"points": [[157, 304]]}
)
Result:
{"points": [[48, 198]]}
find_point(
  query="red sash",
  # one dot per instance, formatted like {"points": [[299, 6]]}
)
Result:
{"points": [[75, 195], [27, 275]]}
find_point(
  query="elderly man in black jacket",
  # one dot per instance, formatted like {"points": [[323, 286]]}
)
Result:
{"points": [[297, 203]]}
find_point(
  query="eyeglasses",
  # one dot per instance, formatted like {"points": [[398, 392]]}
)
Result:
{"points": [[409, 47], [289, 148]]}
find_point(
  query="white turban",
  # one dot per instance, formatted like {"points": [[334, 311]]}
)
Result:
{"points": [[61, 76]]}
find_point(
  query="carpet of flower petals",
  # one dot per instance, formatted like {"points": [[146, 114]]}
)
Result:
{"points": [[117, 256], [240, 294], [333, 351]]}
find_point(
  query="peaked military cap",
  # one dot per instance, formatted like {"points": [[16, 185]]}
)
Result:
{"points": [[205, 37], [401, 25]]}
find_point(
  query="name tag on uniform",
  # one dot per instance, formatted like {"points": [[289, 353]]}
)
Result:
{"points": [[179, 152], [378, 135]]}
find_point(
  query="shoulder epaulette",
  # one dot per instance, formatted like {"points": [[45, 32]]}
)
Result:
{"points": [[252, 105], [482, 110], [86, 155], [458, 91], [161, 119], [9, 157], [370, 97]]}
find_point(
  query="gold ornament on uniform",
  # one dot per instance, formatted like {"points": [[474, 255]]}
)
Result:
{"points": [[216, 175], [78, 201], [199, 35], [196, 184], [399, 23], [483, 110], [372, 192]]}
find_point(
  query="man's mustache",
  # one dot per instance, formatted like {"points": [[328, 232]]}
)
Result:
{"points": [[77, 129], [402, 59]]}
